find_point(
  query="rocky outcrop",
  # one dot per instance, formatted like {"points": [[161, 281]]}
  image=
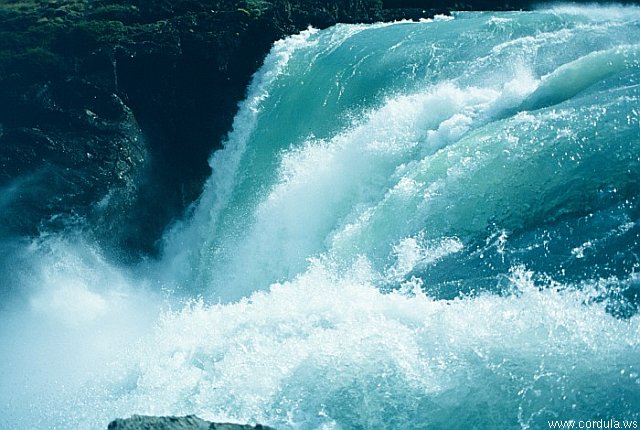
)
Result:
{"points": [[63, 146], [190, 422], [109, 109]]}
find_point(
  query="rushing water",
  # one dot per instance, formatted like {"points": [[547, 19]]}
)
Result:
{"points": [[411, 225]]}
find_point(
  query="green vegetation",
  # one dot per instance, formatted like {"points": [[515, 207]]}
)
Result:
{"points": [[254, 8], [87, 36], [19, 6], [115, 12], [40, 39]]}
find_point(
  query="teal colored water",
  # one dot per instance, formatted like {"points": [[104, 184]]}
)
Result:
{"points": [[411, 225]]}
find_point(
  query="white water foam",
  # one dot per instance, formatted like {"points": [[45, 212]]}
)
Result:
{"points": [[74, 314], [329, 350]]}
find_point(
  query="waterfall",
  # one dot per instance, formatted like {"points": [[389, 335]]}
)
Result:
{"points": [[428, 224]]}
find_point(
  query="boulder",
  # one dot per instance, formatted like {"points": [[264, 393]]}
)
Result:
{"points": [[190, 422]]}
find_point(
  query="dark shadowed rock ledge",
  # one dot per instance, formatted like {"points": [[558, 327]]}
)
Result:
{"points": [[190, 422]]}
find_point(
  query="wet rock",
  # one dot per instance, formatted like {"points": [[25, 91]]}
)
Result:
{"points": [[64, 146], [190, 422]]}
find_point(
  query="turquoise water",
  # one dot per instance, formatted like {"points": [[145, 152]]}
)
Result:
{"points": [[411, 225]]}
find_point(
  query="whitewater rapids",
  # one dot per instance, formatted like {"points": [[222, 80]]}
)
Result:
{"points": [[411, 225]]}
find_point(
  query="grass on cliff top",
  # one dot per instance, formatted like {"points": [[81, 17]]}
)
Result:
{"points": [[20, 6]]}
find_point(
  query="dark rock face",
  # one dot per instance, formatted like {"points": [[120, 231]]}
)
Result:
{"points": [[110, 109], [63, 146], [190, 422]]}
